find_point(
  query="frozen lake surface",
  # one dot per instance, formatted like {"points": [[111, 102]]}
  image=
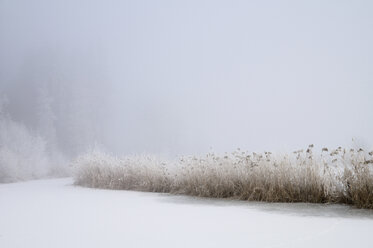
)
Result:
{"points": [[54, 213]]}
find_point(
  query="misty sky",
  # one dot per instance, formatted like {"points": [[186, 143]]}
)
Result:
{"points": [[182, 77]]}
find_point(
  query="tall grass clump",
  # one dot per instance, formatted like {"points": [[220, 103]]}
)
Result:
{"points": [[143, 173], [329, 176], [255, 177], [358, 180]]}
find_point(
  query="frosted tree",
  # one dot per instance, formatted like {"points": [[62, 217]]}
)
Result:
{"points": [[46, 117], [22, 152], [3, 101], [47, 129]]}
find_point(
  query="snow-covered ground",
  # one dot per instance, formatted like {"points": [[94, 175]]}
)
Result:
{"points": [[54, 213]]}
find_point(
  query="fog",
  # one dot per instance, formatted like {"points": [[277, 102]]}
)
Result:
{"points": [[184, 77]]}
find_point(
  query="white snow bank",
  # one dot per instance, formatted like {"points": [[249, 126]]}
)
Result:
{"points": [[53, 213]]}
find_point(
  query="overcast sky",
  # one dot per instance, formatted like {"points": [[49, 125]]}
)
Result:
{"points": [[182, 77]]}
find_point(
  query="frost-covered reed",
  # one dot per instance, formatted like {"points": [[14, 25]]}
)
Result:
{"points": [[330, 176]]}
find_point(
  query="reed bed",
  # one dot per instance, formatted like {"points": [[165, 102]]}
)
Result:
{"points": [[329, 176]]}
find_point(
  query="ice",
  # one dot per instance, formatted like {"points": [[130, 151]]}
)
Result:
{"points": [[55, 213]]}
